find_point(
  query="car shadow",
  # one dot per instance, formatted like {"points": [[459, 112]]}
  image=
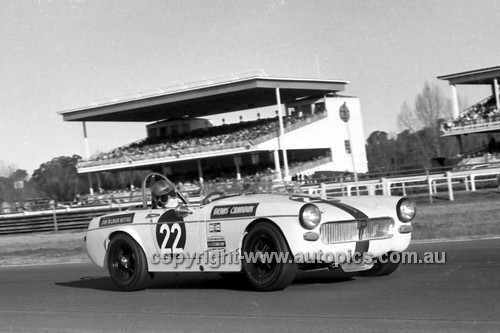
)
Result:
{"points": [[89, 282], [208, 281]]}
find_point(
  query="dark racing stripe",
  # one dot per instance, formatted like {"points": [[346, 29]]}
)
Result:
{"points": [[361, 246], [356, 213]]}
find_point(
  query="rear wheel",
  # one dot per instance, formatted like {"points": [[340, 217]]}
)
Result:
{"points": [[384, 265], [127, 264], [268, 263]]}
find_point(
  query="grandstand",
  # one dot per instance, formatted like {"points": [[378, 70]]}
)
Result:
{"points": [[288, 128], [482, 117]]}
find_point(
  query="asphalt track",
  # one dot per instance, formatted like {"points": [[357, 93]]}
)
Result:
{"points": [[462, 295]]}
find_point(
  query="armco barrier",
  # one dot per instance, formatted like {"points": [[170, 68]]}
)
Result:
{"points": [[50, 221]]}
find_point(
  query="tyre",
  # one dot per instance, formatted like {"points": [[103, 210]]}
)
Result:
{"points": [[262, 269], [382, 267], [127, 264]]}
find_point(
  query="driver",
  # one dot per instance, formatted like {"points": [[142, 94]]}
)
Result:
{"points": [[163, 195]]}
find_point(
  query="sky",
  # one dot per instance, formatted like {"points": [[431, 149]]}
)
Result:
{"points": [[65, 54]]}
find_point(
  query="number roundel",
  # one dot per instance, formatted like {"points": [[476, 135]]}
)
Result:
{"points": [[171, 232]]}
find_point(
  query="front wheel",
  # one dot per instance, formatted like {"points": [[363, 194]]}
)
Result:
{"points": [[127, 264], [267, 263], [384, 265]]}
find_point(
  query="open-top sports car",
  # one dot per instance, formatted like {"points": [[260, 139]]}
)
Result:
{"points": [[266, 231]]}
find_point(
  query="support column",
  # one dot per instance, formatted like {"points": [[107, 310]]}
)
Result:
{"points": [[99, 185], [281, 138], [460, 144], [200, 172], [87, 154], [277, 164], [237, 163], [86, 141], [495, 93], [454, 101], [91, 189]]}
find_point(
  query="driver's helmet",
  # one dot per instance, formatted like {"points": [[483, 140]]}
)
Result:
{"points": [[161, 191]]}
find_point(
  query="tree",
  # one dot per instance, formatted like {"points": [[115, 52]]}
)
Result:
{"points": [[380, 153], [58, 179], [13, 187], [6, 169], [430, 110], [431, 105], [406, 118]]}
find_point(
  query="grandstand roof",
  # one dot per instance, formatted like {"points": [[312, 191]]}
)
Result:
{"points": [[478, 76], [204, 98]]}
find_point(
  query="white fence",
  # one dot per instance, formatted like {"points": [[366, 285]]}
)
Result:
{"points": [[426, 183]]}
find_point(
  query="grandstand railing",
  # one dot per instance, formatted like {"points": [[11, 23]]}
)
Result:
{"points": [[480, 125], [309, 165], [460, 126], [203, 149]]}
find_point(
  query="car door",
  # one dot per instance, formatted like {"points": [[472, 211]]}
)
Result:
{"points": [[177, 238]]}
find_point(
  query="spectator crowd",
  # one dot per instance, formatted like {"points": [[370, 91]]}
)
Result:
{"points": [[484, 112], [212, 138]]}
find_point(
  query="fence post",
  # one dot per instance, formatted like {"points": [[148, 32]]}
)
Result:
{"points": [[429, 184], [371, 189], [323, 190], [473, 182], [450, 186], [384, 186]]}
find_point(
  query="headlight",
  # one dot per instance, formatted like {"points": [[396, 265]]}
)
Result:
{"points": [[406, 210], [309, 216]]}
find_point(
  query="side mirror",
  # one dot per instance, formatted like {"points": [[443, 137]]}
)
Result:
{"points": [[182, 211]]}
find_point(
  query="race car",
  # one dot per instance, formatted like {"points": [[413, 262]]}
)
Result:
{"points": [[265, 231]]}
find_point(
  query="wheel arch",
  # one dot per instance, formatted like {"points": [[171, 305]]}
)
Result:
{"points": [[263, 220], [127, 233]]}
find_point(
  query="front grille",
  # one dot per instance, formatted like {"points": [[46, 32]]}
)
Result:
{"points": [[356, 230]]}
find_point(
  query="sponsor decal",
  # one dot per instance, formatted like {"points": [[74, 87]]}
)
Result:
{"points": [[234, 211], [214, 227], [116, 219], [216, 243]]}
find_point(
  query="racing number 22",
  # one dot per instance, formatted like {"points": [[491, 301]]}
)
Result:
{"points": [[170, 229], [171, 236]]}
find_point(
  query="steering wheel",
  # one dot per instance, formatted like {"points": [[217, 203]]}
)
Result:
{"points": [[211, 197]]}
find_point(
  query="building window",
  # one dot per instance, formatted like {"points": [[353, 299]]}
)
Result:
{"points": [[347, 145], [306, 110], [174, 129], [319, 107], [152, 133]]}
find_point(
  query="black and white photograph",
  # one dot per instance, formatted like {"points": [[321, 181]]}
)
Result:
{"points": [[249, 166]]}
